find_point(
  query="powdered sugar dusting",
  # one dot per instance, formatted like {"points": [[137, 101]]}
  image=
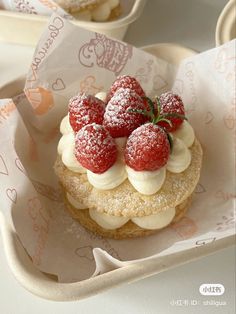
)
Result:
{"points": [[95, 149], [147, 148], [85, 109], [126, 81], [171, 103], [118, 119]]}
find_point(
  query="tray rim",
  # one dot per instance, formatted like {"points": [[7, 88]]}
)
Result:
{"points": [[225, 23], [41, 285], [134, 13]]}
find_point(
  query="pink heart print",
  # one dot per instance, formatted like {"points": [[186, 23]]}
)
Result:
{"points": [[209, 117], [12, 195], [200, 188], [3, 167], [159, 82], [19, 165], [58, 85], [85, 252], [179, 86]]}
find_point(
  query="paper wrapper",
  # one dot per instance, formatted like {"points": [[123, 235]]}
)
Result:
{"points": [[67, 60], [36, 7]]}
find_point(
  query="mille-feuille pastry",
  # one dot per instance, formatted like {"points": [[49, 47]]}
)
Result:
{"points": [[128, 166], [92, 10]]}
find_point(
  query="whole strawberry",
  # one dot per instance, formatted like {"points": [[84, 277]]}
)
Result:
{"points": [[85, 109], [123, 113], [95, 149], [126, 81], [147, 148], [172, 107]]}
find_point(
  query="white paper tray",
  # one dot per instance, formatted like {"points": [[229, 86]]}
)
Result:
{"points": [[45, 285], [26, 29]]}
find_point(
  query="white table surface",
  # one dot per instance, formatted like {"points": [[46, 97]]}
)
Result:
{"points": [[190, 23]]}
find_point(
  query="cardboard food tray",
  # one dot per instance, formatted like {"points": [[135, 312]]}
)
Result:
{"points": [[226, 24], [26, 29], [45, 285]]}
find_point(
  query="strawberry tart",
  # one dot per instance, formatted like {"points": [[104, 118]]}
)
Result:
{"points": [[128, 165]]}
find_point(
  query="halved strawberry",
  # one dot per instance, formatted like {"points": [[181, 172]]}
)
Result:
{"points": [[147, 148], [172, 108], [85, 109], [126, 81], [95, 149], [123, 113]]}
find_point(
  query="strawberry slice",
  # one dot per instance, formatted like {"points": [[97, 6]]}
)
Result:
{"points": [[172, 108], [95, 149], [123, 113], [147, 148], [85, 109], [126, 81]]}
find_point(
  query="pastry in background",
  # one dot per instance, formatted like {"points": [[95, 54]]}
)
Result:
{"points": [[92, 10]]}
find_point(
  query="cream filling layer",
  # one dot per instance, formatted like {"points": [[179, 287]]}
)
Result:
{"points": [[145, 182], [151, 222], [74, 202], [65, 126], [103, 11], [185, 133], [65, 148], [102, 96], [107, 221], [109, 179], [180, 157]]}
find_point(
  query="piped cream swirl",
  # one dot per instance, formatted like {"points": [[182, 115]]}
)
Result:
{"points": [[65, 126], [109, 222], [146, 182], [185, 133], [74, 202], [156, 221], [180, 157], [109, 179], [66, 147]]}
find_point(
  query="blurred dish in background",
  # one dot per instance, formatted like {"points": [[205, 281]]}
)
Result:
{"points": [[226, 24], [92, 10], [28, 27]]}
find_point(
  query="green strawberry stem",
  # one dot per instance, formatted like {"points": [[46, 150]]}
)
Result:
{"points": [[155, 115], [170, 141]]}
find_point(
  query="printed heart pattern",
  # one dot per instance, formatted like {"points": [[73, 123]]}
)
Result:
{"points": [[159, 83], [229, 121], [209, 117], [200, 188], [85, 252], [221, 61], [227, 222], [89, 85], [142, 74], [185, 228], [12, 195], [58, 85], [179, 86], [3, 167], [19, 165]]}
